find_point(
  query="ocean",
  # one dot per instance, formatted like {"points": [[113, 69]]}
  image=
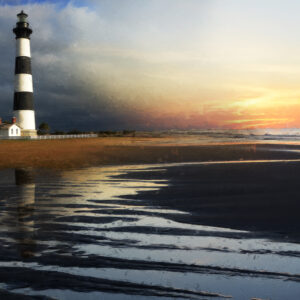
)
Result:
{"points": [[291, 135]]}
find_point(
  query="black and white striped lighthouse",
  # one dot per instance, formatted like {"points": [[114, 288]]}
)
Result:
{"points": [[23, 94]]}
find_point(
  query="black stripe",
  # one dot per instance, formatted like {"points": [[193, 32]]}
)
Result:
{"points": [[22, 31], [23, 65], [23, 101]]}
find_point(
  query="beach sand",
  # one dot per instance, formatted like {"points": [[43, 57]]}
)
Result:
{"points": [[76, 153]]}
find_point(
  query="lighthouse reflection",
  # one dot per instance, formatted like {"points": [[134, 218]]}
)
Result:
{"points": [[24, 180]]}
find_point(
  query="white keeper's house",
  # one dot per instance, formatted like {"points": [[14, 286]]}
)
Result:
{"points": [[9, 129]]}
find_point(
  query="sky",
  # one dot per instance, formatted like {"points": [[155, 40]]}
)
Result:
{"points": [[158, 64]]}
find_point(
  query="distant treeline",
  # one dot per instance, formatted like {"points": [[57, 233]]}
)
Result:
{"points": [[44, 129], [116, 133], [101, 133]]}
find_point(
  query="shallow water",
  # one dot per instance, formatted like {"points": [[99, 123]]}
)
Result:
{"points": [[89, 234]]}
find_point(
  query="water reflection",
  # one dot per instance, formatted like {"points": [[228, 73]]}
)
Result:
{"points": [[25, 188], [94, 233]]}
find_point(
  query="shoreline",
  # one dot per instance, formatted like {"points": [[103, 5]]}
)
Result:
{"points": [[77, 153]]}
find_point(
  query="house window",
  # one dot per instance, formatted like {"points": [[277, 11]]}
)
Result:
{"points": [[17, 131], [12, 131]]}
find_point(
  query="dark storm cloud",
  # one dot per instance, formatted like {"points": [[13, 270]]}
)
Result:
{"points": [[68, 90], [6, 69], [108, 64]]}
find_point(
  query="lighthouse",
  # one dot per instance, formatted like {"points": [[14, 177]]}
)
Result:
{"points": [[23, 109]]}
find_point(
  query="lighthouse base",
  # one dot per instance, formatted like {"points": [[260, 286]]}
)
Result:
{"points": [[28, 132]]}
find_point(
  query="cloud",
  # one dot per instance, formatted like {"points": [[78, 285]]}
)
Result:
{"points": [[90, 70], [74, 88], [104, 65], [150, 64]]}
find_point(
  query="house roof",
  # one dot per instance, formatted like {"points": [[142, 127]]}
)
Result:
{"points": [[7, 125]]}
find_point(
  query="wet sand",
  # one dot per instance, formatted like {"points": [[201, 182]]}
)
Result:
{"points": [[134, 232], [256, 196], [76, 153]]}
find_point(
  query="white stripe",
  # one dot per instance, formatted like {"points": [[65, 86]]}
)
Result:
{"points": [[23, 47], [25, 119], [23, 83]]}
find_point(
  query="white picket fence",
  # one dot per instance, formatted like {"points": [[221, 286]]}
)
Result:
{"points": [[64, 136], [52, 137]]}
